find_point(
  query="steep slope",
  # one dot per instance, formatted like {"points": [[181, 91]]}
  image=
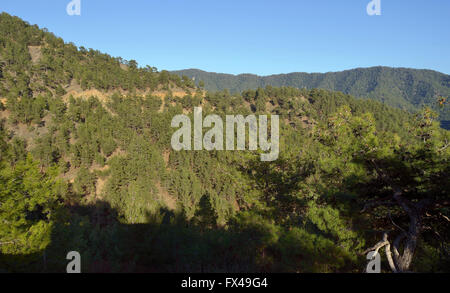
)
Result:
{"points": [[35, 62]]}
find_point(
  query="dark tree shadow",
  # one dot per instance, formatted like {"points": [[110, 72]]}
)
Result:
{"points": [[167, 243]]}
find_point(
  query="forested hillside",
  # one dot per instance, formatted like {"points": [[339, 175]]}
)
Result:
{"points": [[404, 88], [86, 165]]}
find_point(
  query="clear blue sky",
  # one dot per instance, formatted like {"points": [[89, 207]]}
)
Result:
{"points": [[253, 36]]}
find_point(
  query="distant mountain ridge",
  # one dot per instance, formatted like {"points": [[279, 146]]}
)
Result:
{"points": [[404, 88]]}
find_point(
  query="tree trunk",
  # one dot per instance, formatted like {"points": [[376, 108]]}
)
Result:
{"points": [[402, 262]]}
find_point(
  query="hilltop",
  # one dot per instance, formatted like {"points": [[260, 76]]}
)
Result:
{"points": [[404, 88]]}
